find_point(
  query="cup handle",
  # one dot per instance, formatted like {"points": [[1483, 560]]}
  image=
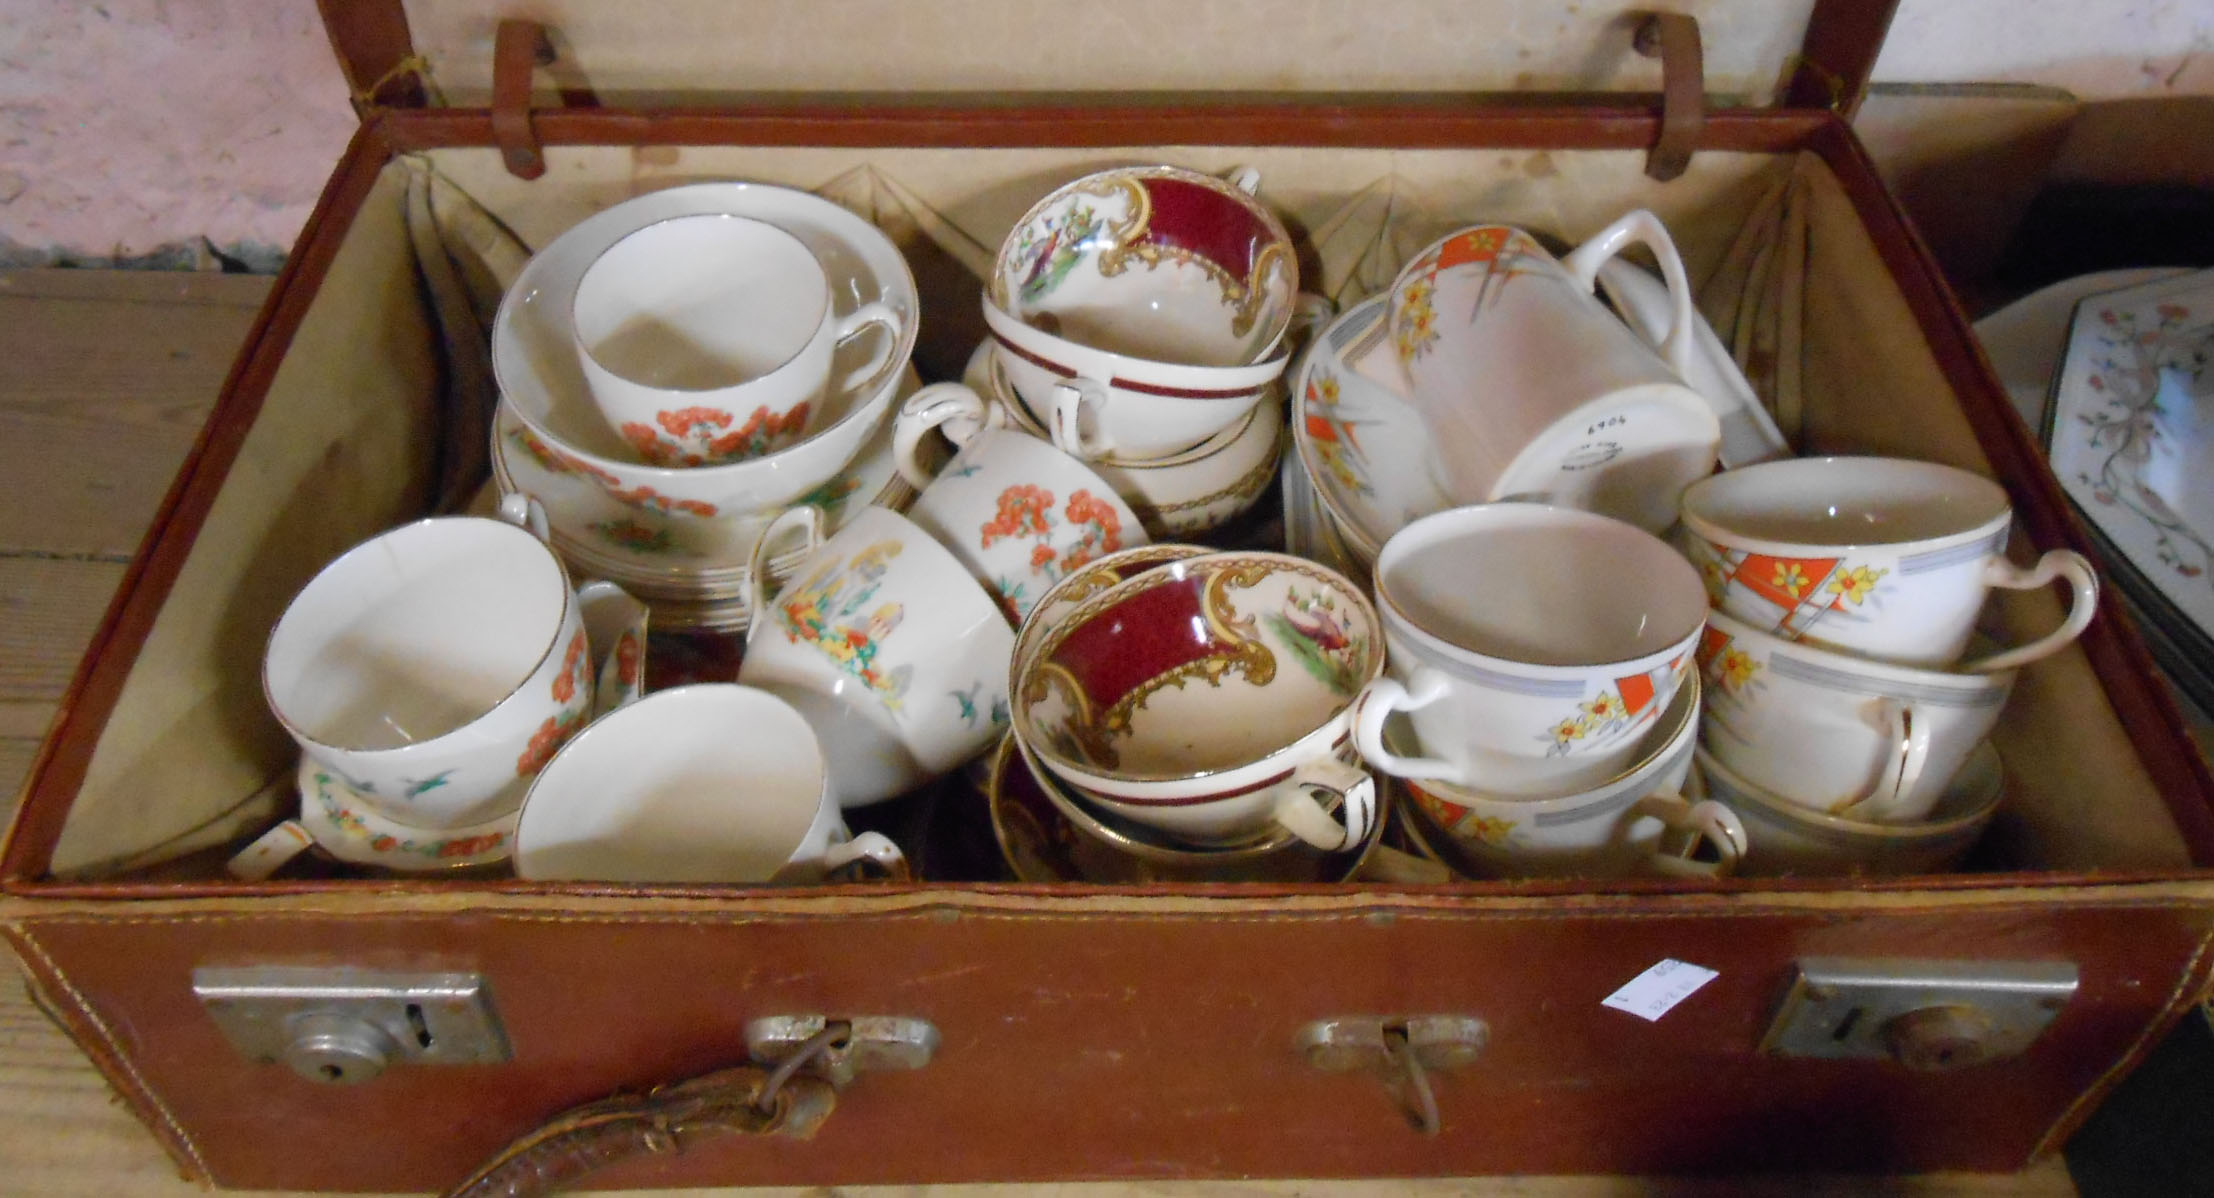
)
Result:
{"points": [[1910, 734], [2083, 603], [1377, 702], [1072, 400], [873, 847], [269, 852], [806, 517], [868, 316], [1246, 178], [1299, 813], [935, 406], [1640, 227], [615, 628], [522, 509], [1697, 823]]}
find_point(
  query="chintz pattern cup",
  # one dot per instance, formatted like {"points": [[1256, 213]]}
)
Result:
{"points": [[712, 783], [1887, 558], [1534, 647], [888, 646], [1020, 514], [1843, 735], [434, 668], [709, 338]]}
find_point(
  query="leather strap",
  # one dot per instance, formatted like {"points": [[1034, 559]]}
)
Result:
{"points": [[669, 1118], [1673, 37], [519, 48]]}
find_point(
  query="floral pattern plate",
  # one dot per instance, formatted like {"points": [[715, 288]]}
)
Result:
{"points": [[1364, 448], [2130, 434], [598, 530]]}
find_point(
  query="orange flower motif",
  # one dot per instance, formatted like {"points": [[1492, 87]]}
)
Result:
{"points": [[1024, 510], [469, 846], [1041, 556], [565, 683], [687, 422], [627, 656], [545, 742]]}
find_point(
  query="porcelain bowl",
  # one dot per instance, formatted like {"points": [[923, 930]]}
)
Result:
{"points": [[535, 361], [1153, 263]]}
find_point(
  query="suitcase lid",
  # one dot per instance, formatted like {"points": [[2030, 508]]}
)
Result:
{"points": [[1793, 53]]}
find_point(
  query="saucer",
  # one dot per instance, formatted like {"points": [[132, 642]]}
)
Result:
{"points": [[672, 551], [351, 831], [1367, 451]]}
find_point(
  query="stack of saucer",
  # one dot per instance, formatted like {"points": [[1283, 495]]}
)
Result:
{"points": [[1848, 700], [674, 521]]}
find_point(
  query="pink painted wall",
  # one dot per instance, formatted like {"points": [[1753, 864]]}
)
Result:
{"points": [[131, 125]]}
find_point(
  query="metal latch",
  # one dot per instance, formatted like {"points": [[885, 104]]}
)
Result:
{"points": [[1403, 1050], [840, 1048], [1926, 1015], [341, 1025]]}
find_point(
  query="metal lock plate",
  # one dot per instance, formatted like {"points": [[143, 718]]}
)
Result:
{"points": [[860, 1043], [1926, 1015], [1360, 1041], [342, 1025]]}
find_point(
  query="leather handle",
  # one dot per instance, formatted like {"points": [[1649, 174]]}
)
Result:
{"points": [[519, 48], [586, 1139], [1673, 37]]}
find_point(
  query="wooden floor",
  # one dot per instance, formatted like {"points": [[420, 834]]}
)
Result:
{"points": [[104, 378]]}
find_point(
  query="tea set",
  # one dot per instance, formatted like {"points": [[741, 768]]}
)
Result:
{"points": [[1479, 657]]}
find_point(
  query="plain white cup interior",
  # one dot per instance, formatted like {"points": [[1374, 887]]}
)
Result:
{"points": [[1843, 502], [708, 783], [695, 303], [1539, 585], [415, 633]]}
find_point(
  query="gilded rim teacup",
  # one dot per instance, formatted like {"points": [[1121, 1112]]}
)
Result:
{"points": [[434, 668], [1534, 646], [1889, 558], [712, 783], [1210, 697], [1790, 838], [1836, 733]]}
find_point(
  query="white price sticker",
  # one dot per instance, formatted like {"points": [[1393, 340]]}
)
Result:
{"points": [[1656, 992]]}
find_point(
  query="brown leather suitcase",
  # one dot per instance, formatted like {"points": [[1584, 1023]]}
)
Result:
{"points": [[1962, 1021]]}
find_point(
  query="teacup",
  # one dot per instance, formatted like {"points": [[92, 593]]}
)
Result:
{"points": [[1047, 834], [1532, 389], [708, 339], [894, 654], [1845, 735], [1151, 262], [1534, 646], [1888, 558], [1790, 838], [1182, 495], [1638, 822], [1110, 699], [1018, 512], [435, 668], [1094, 404], [696, 784]]}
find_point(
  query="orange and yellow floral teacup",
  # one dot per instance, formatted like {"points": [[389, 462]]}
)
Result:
{"points": [[1534, 646], [1020, 514]]}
